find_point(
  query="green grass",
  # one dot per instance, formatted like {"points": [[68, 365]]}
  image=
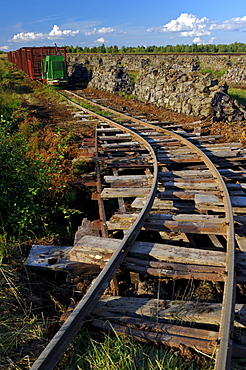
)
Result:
{"points": [[133, 76], [128, 96], [21, 324], [213, 72], [238, 94], [114, 352]]}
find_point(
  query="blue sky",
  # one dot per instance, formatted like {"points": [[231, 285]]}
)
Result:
{"points": [[128, 22]]}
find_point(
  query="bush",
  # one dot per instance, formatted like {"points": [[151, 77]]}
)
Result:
{"points": [[22, 183]]}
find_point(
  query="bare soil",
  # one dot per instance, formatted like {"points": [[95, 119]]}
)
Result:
{"points": [[234, 131]]}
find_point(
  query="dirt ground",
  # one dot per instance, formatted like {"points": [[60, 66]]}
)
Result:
{"points": [[234, 131], [52, 114]]}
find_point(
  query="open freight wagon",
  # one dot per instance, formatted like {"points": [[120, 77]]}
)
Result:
{"points": [[46, 64]]}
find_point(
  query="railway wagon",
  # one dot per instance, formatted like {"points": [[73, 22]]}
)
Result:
{"points": [[46, 64]]}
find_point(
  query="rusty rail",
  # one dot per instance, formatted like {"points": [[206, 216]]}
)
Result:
{"points": [[55, 349]]}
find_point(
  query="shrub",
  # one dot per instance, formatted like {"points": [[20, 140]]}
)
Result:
{"points": [[22, 183]]}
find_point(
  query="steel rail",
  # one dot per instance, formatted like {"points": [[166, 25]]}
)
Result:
{"points": [[51, 355], [223, 357], [53, 352]]}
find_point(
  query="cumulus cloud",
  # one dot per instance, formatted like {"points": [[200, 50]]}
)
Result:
{"points": [[106, 30], [189, 25], [101, 40], [96, 31], [28, 36], [199, 41], [233, 24], [55, 33], [5, 47]]}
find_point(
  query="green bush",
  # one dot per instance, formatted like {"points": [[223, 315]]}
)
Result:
{"points": [[8, 99], [23, 183]]}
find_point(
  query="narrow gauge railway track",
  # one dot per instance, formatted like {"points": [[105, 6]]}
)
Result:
{"points": [[167, 185]]}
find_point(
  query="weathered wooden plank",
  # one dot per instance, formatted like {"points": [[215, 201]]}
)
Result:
{"points": [[115, 137], [189, 311], [97, 249], [122, 144], [129, 164], [129, 180], [241, 241], [190, 180], [160, 204], [173, 152], [108, 129], [236, 201], [191, 185], [155, 326], [172, 340], [166, 203], [237, 147], [208, 199], [188, 173], [181, 159], [171, 271], [234, 145], [187, 195], [50, 257], [190, 224], [125, 192]]}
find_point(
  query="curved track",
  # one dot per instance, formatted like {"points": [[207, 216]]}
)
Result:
{"points": [[134, 144]]}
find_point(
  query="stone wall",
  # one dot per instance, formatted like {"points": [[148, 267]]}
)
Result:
{"points": [[177, 82], [190, 93], [178, 62]]}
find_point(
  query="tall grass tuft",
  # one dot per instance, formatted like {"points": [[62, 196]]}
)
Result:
{"points": [[114, 352]]}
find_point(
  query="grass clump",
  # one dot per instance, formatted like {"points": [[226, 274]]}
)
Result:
{"points": [[238, 94], [133, 76], [114, 352], [214, 72], [128, 96], [9, 100]]}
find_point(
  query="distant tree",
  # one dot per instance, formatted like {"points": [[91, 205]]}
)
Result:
{"points": [[123, 50], [101, 49], [236, 47], [78, 49], [115, 49]]}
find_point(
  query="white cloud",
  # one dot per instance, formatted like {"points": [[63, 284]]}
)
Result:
{"points": [[56, 32], [91, 32], [28, 36], [102, 40], [189, 25], [199, 41], [4, 47], [100, 30], [106, 30], [194, 33], [53, 34], [233, 24]]}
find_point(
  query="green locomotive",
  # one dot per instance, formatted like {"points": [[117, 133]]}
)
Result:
{"points": [[54, 70], [46, 64]]}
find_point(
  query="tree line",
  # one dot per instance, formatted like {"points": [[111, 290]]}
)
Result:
{"points": [[236, 47]]}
